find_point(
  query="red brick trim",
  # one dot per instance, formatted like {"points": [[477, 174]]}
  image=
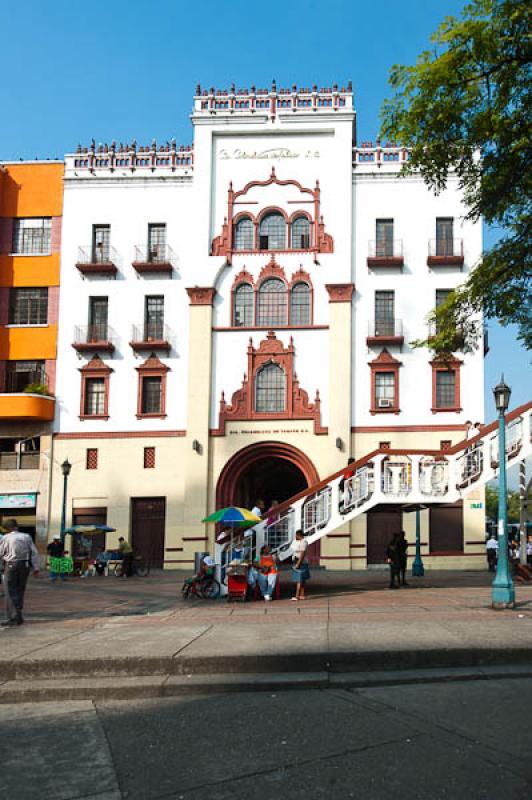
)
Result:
{"points": [[451, 365], [153, 367], [95, 369], [384, 362], [242, 406], [201, 295], [221, 329], [121, 434], [405, 428], [340, 292]]}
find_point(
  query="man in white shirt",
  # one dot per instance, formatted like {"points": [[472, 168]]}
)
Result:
{"points": [[20, 556], [492, 549]]}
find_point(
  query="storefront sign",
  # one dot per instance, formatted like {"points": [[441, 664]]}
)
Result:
{"points": [[18, 500], [261, 432], [273, 152], [476, 505]]}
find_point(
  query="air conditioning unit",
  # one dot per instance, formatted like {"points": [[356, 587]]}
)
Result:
{"points": [[385, 402]]}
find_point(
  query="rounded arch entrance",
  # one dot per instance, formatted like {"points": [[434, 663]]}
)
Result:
{"points": [[266, 470]]}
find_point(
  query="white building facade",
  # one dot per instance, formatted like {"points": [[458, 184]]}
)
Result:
{"points": [[236, 321]]}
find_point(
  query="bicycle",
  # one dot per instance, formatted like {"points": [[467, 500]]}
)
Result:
{"points": [[139, 567], [206, 589]]}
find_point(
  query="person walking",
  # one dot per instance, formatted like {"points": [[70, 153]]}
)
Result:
{"points": [[126, 552], [393, 555], [20, 556], [300, 570], [492, 549], [403, 551], [55, 551]]}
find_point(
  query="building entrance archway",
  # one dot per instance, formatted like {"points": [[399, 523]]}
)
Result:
{"points": [[268, 471]]}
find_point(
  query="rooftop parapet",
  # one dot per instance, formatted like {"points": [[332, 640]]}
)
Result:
{"points": [[368, 156], [273, 101], [129, 158]]}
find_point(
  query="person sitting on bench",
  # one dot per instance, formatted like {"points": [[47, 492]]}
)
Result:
{"points": [[264, 572]]}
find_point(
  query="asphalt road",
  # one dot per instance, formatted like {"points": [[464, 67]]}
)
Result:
{"points": [[450, 740]]}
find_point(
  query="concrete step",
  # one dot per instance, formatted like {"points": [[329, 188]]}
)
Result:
{"points": [[154, 686]]}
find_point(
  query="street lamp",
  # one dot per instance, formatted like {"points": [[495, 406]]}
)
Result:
{"points": [[66, 466], [502, 591], [418, 570]]}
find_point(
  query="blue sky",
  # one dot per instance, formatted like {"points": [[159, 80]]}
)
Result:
{"points": [[122, 70]]}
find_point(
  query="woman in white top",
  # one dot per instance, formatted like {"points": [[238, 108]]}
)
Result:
{"points": [[300, 570]]}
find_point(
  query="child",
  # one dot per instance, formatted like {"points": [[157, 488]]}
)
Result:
{"points": [[206, 570]]}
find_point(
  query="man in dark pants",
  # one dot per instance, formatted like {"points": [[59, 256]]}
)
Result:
{"points": [[403, 547], [393, 554], [126, 552], [20, 556]]}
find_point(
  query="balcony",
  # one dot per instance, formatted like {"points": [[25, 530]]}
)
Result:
{"points": [[388, 253], [13, 461], [97, 338], [446, 253], [154, 259], [99, 260], [150, 336], [385, 332], [26, 407]]}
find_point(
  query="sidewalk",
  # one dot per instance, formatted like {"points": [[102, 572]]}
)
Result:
{"points": [[137, 637]]}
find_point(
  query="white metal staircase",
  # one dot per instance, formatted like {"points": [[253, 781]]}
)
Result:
{"points": [[409, 477]]}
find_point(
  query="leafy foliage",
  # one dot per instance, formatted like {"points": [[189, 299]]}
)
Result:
{"points": [[38, 388], [492, 504], [465, 110]]}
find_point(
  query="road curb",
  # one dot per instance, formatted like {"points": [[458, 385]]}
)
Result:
{"points": [[161, 686]]}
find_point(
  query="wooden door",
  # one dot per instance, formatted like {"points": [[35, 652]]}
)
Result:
{"points": [[446, 529], [381, 525], [148, 516]]}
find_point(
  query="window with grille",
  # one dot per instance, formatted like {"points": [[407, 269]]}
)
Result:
{"points": [[156, 243], [28, 306], [444, 236], [272, 306], [149, 458], [98, 311], [154, 319], [300, 304], [32, 236], [243, 306], [385, 389], [384, 313], [445, 388], [244, 234], [300, 234], [384, 238], [270, 389], [151, 395], [441, 297], [92, 458], [101, 244], [94, 397], [20, 374], [272, 232]]}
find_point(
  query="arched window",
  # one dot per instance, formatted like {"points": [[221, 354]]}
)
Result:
{"points": [[272, 306], [244, 234], [300, 304], [300, 234], [243, 306], [272, 232], [270, 389]]}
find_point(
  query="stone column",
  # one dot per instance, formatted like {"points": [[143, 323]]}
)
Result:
{"points": [[196, 457], [340, 392]]}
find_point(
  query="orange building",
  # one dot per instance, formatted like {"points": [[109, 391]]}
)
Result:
{"points": [[31, 202]]}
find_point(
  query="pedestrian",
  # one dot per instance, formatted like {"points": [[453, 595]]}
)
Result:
{"points": [[56, 551], [393, 555], [529, 550], [126, 551], [346, 493], [403, 547], [492, 549], [300, 569], [20, 556]]}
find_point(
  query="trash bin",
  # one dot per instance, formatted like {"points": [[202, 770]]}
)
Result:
{"points": [[198, 557]]}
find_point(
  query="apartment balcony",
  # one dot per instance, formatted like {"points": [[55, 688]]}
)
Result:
{"points": [[16, 461], [158, 258], [388, 253], [26, 407], [385, 332], [446, 253], [98, 260], [98, 338], [150, 337]]}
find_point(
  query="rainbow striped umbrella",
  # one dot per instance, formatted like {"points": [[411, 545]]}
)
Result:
{"points": [[233, 516]]}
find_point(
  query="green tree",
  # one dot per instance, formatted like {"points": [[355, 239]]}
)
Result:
{"points": [[492, 504], [465, 109]]}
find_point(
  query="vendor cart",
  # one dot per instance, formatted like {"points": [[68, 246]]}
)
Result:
{"points": [[237, 580]]}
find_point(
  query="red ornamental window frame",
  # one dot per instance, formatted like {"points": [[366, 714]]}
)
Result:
{"points": [[95, 369], [153, 367], [384, 362], [453, 365], [272, 270]]}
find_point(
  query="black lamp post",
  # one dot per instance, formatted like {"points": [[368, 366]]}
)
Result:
{"points": [[66, 466], [502, 592]]}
